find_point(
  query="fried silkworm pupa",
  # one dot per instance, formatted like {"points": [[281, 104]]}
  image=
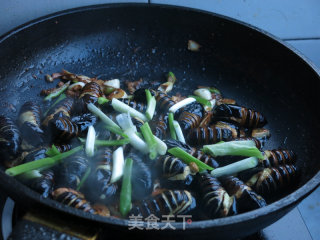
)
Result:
{"points": [[83, 121], [173, 171], [208, 135], [164, 102], [247, 199], [272, 180], [190, 116], [207, 159], [277, 157], [99, 187], [245, 117], [236, 131], [35, 154], [10, 139], [44, 184], [159, 126], [72, 198], [137, 122], [90, 93], [215, 199], [73, 170], [139, 106], [169, 202], [62, 129], [141, 177], [62, 109], [29, 122]]}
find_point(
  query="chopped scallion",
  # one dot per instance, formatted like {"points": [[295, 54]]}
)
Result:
{"points": [[236, 167], [124, 108], [57, 92], [150, 139], [171, 126], [187, 158], [126, 188], [178, 131], [117, 165], [181, 104], [245, 148], [42, 164]]}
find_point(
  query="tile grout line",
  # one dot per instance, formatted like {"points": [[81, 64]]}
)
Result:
{"points": [[305, 223], [301, 39]]}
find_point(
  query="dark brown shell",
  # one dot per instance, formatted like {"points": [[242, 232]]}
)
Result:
{"points": [[10, 139]]}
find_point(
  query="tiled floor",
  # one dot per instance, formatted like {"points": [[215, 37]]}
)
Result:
{"points": [[295, 21]]}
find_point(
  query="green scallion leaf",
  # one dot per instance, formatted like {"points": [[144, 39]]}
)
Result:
{"points": [[202, 101], [42, 164], [171, 126], [245, 148], [126, 188], [53, 151], [187, 158]]}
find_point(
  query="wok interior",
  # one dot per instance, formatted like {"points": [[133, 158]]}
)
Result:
{"points": [[243, 64]]}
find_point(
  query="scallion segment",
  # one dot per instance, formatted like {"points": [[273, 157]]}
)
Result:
{"points": [[150, 139], [104, 118], [116, 131], [53, 151], [245, 148], [124, 108], [57, 92], [203, 101], [130, 130], [187, 158], [102, 100], [117, 165], [84, 178], [41, 164], [90, 141], [126, 188], [181, 104], [108, 143], [171, 126], [151, 105], [179, 132], [236, 167], [161, 146]]}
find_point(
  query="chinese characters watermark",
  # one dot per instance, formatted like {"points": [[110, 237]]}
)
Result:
{"points": [[152, 222]]}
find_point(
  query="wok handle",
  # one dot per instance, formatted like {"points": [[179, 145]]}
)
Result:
{"points": [[38, 224]]}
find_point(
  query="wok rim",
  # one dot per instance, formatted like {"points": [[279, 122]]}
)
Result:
{"points": [[283, 203]]}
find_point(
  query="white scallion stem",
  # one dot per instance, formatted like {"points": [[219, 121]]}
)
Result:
{"points": [[117, 165], [179, 132], [115, 83], [104, 118], [181, 104], [124, 108], [137, 142], [236, 167], [204, 93], [91, 138], [161, 146], [151, 108], [125, 122]]}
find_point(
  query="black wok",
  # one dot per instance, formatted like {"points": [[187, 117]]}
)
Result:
{"points": [[137, 40]]}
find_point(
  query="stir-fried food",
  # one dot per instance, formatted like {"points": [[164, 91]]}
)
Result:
{"points": [[127, 148]]}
